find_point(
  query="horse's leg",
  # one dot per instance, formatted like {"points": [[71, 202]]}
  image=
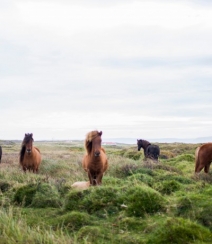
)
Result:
{"points": [[199, 168], [99, 179], [90, 178], [207, 167]]}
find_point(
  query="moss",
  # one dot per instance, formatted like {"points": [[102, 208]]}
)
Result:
{"points": [[101, 199], [74, 199], [135, 155], [142, 178], [4, 186], [178, 230], [131, 223], [167, 186], [90, 234], [141, 200], [46, 196], [184, 205], [25, 194], [73, 221]]}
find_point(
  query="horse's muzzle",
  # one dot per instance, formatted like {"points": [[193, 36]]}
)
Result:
{"points": [[97, 153], [28, 151]]}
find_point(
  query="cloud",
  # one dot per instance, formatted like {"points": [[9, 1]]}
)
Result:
{"points": [[127, 67]]}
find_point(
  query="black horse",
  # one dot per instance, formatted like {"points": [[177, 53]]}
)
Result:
{"points": [[150, 151], [0, 153]]}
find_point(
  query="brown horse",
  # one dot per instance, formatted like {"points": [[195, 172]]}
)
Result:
{"points": [[203, 157], [30, 157], [95, 162]]}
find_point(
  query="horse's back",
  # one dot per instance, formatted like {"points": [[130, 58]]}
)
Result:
{"points": [[205, 151], [153, 151], [203, 157]]}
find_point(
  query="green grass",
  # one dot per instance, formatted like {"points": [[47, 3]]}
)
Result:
{"points": [[140, 201]]}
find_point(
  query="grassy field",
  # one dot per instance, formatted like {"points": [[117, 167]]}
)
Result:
{"points": [[139, 201]]}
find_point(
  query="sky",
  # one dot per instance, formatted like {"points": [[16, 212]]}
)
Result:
{"points": [[132, 69]]}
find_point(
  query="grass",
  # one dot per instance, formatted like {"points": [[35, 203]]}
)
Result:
{"points": [[140, 201]]}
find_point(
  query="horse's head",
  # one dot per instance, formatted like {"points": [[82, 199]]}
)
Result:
{"points": [[96, 144], [27, 142], [139, 144]]}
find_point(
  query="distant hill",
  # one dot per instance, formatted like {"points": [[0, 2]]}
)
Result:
{"points": [[160, 140]]}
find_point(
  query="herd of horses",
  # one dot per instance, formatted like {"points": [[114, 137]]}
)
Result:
{"points": [[95, 161]]}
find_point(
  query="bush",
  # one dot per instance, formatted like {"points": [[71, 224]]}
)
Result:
{"points": [[167, 186], [101, 199], [184, 205], [142, 178], [46, 196], [4, 186], [89, 234], [25, 194], [141, 200], [135, 155], [74, 199], [73, 220], [178, 230]]}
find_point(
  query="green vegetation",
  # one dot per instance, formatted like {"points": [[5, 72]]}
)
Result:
{"points": [[140, 201]]}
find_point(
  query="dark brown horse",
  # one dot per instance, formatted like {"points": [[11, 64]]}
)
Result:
{"points": [[95, 162], [0, 153], [30, 157], [150, 151], [203, 157]]}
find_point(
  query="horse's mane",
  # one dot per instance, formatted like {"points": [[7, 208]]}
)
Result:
{"points": [[89, 138], [26, 139], [145, 143], [22, 152]]}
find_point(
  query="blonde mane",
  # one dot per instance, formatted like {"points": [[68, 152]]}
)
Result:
{"points": [[89, 138]]}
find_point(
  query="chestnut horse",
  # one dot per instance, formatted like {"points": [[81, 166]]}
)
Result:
{"points": [[203, 157], [95, 162], [30, 157]]}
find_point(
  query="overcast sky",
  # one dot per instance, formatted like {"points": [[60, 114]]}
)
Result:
{"points": [[137, 69]]}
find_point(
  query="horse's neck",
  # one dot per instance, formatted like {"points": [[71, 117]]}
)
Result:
{"points": [[145, 145]]}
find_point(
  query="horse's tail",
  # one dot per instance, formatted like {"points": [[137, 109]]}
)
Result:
{"points": [[196, 159], [22, 152]]}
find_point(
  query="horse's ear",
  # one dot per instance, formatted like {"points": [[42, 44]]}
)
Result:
{"points": [[100, 133], [31, 134]]}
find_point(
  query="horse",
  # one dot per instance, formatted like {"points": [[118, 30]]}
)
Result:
{"points": [[0, 153], [95, 161], [30, 156], [150, 151], [203, 157]]}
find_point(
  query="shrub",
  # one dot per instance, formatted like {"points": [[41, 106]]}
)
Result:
{"points": [[141, 200], [143, 178], [46, 196], [104, 198], [205, 217], [178, 230], [167, 186], [135, 155], [74, 199], [4, 186], [25, 194], [89, 234], [73, 220]]}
